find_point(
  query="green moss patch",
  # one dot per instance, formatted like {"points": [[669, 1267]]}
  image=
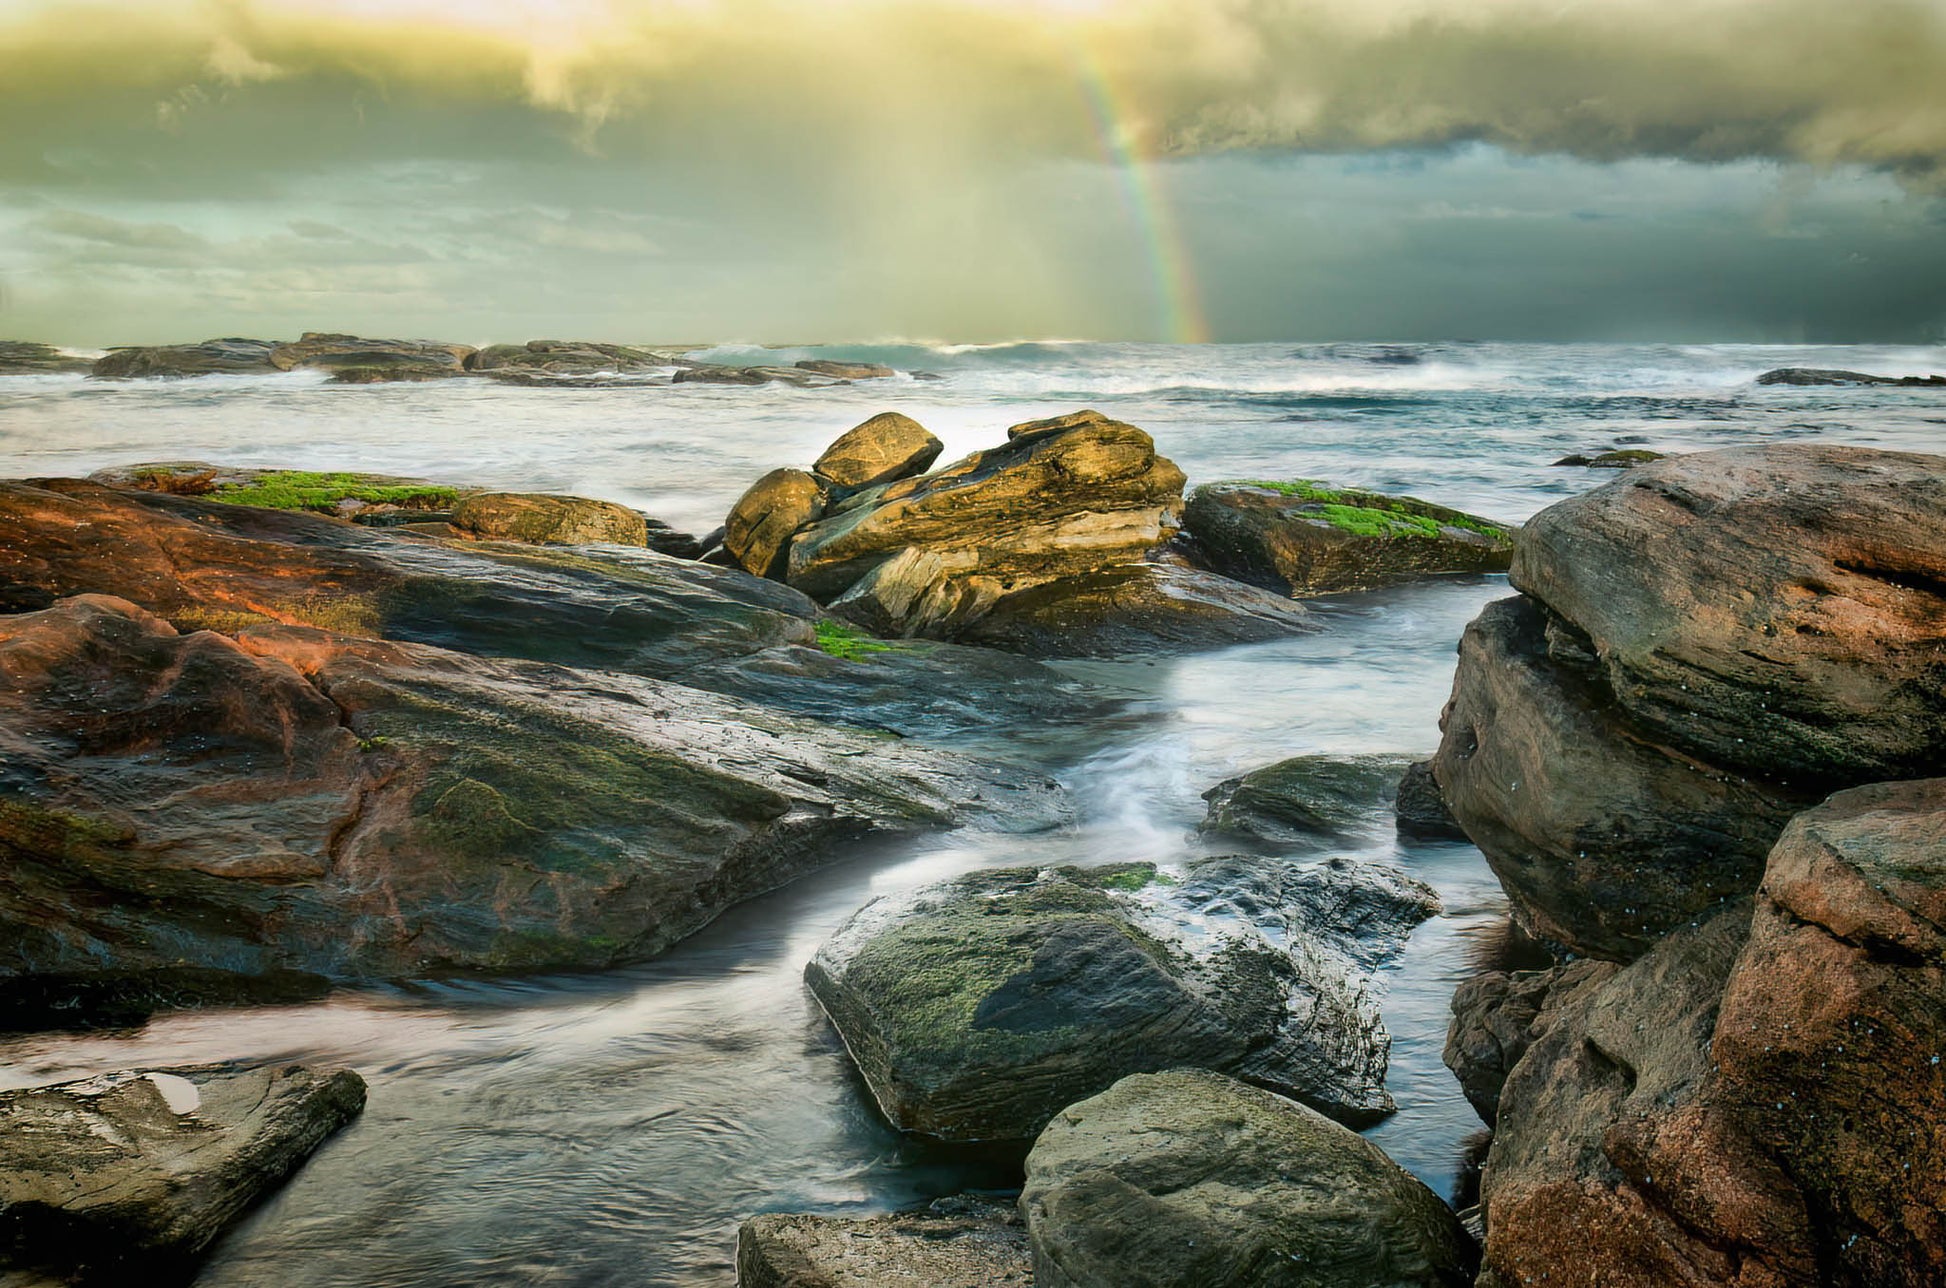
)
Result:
{"points": [[1374, 514], [848, 643], [307, 490]]}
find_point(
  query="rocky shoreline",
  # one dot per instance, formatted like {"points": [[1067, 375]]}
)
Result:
{"points": [[268, 733]]}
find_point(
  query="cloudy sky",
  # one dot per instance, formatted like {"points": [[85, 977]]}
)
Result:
{"points": [[802, 170]]}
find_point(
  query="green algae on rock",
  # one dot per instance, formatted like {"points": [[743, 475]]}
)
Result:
{"points": [[977, 1007], [1305, 538]]}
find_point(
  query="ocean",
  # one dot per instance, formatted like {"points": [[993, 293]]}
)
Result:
{"points": [[614, 1128]]}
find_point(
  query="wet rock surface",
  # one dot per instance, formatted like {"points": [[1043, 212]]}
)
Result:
{"points": [[1419, 806], [337, 352], [542, 519], [1602, 838], [570, 358], [1825, 376], [978, 1007], [1133, 608], [177, 360], [1308, 539], [1498, 1015], [293, 800], [128, 1177], [1189, 1177], [28, 358], [956, 1243], [1306, 800]]}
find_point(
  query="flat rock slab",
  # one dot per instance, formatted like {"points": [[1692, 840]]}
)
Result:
{"points": [[977, 1007], [956, 1243], [185, 806], [129, 1177], [1139, 608], [1190, 1178]]}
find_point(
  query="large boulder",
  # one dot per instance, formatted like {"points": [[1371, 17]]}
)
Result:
{"points": [[759, 527], [1757, 1102], [1305, 800], [1777, 610], [177, 360], [1189, 1177], [1132, 608], [29, 358], [1419, 806], [1050, 503], [335, 352], [956, 1243], [542, 519], [183, 807], [129, 1177], [709, 373], [1603, 838], [1303, 538], [977, 1007], [884, 449]]}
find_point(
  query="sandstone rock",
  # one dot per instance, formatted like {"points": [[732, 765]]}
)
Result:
{"points": [[956, 1243], [1764, 1114], [1129, 608], [1620, 459], [1304, 800], [540, 519], [1307, 539], [129, 1177], [28, 358], [1420, 808], [1045, 505], [228, 566], [336, 352], [297, 800], [884, 449], [400, 373], [976, 1008], [1619, 1059], [1779, 610], [1817, 376], [1188, 1177], [760, 525], [1498, 1015], [232, 355], [846, 370], [1603, 838]]}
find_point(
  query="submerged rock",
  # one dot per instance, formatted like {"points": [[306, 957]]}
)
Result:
{"points": [[1189, 1177], [956, 1243], [1818, 376], [708, 373], [1303, 538], [130, 1177], [177, 360], [1305, 800], [28, 358], [542, 519], [1048, 504], [1419, 805], [297, 800], [977, 1007], [1619, 459], [884, 449]]}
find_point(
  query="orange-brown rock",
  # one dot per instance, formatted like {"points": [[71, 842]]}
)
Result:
{"points": [[884, 449], [1760, 1103], [185, 813], [759, 527]]}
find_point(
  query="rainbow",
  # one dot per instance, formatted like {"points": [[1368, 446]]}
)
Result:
{"points": [[1178, 300]]}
